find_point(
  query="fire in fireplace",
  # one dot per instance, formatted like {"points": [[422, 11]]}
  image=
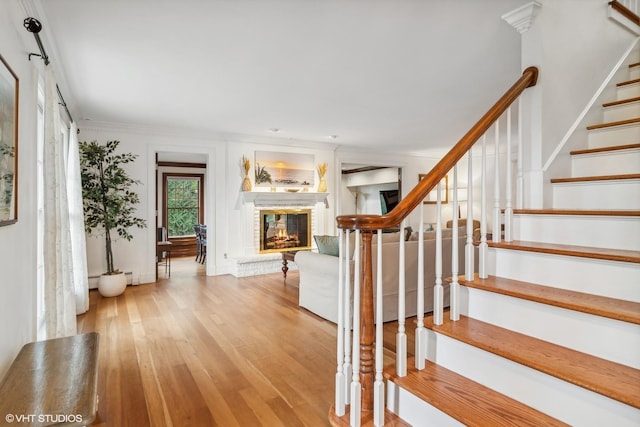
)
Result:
{"points": [[285, 230]]}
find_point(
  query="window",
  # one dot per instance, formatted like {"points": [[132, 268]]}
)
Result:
{"points": [[183, 196]]}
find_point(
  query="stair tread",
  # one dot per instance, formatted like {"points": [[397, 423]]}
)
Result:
{"points": [[390, 419], [628, 82], [465, 400], [621, 102], [621, 255], [614, 380], [613, 124], [578, 212], [612, 308], [605, 149], [596, 178]]}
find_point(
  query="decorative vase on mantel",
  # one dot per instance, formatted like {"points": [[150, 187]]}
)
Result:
{"points": [[322, 185], [246, 182]]}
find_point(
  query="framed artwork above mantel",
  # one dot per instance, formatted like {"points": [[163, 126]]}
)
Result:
{"points": [[8, 144], [289, 170]]}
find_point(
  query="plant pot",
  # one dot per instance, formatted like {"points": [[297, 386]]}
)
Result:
{"points": [[112, 285]]}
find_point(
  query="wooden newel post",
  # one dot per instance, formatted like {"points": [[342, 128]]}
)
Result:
{"points": [[367, 325]]}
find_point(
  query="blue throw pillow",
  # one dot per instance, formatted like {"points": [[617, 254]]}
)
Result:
{"points": [[327, 245]]}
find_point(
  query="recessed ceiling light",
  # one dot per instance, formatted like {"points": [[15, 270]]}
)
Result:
{"points": [[333, 136]]}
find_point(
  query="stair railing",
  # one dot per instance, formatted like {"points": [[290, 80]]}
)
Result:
{"points": [[630, 9], [359, 371]]}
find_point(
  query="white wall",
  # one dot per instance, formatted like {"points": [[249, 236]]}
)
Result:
{"points": [[575, 46], [138, 255], [223, 201], [578, 54], [18, 241]]}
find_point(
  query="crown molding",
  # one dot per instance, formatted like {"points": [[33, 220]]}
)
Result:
{"points": [[103, 126], [522, 18]]}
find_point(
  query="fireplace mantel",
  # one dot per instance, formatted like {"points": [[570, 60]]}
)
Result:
{"points": [[283, 198]]}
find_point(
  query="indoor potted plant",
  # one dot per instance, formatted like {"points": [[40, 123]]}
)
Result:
{"points": [[109, 203]]}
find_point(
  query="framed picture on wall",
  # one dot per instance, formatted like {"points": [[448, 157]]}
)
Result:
{"points": [[432, 197], [276, 169], [8, 144]]}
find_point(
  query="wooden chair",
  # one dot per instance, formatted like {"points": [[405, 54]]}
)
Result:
{"points": [[203, 243], [196, 229], [163, 250]]}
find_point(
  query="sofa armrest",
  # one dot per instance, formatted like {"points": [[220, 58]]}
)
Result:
{"points": [[318, 286]]}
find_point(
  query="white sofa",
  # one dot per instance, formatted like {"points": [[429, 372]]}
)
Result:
{"points": [[318, 291]]}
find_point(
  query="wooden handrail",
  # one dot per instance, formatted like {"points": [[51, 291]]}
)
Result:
{"points": [[369, 223], [419, 192], [624, 11]]}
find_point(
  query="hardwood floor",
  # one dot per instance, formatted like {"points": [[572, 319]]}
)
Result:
{"points": [[211, 351]]}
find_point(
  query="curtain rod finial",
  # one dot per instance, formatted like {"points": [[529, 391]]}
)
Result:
{"points": [[32, 25]]}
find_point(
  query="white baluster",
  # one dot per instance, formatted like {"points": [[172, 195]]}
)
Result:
{"points": [[508, 210], [520, 177], [438, 292], [347, 320], [340, 381], [497, 229], [482, 250], [420, 340], [378, 385], [454, 312], [469, 248], [401, 336], [356, 388]]}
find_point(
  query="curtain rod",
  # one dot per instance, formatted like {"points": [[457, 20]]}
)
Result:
{"points": [[34, 26]]}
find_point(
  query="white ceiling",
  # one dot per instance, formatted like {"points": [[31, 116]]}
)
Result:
{"points": [[401, 75]]}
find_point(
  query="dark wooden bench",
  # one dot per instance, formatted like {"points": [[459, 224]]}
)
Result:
{"points": [[52, 382]]}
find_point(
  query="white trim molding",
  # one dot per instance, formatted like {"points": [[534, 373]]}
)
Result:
{"points": [[522, 18]]}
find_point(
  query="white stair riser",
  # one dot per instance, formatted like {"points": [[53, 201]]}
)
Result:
{"points": [[614, 135], [595, 335], [415, 411], [621, 112], [609, 194], [628, 91], [634, 72], [572, 404], [594, 231], [606, 163], [592, 276]]}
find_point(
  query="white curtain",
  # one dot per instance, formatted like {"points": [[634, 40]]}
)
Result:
{"points": [[59, 288], [76, 223]]}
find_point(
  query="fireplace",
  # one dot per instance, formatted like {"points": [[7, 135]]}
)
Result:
{"points": [[285, 230]]}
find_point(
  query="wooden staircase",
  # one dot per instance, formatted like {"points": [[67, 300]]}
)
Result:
{"points": [[552, 336]]}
